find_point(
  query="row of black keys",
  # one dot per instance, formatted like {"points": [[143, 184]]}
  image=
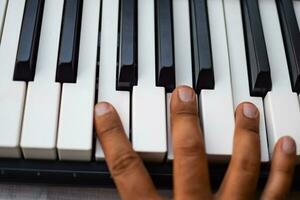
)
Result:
{"points": [[258, 65]]}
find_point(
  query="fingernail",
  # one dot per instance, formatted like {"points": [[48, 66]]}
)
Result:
{"points": [[185, 94], [288, 145], [250, 111], [101, 109]]}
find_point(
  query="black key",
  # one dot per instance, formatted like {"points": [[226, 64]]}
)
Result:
{"points": [[127, 67], [29, 41], [69, 42], [258, 63], [165, 68], [291, 36], [203, 73]]}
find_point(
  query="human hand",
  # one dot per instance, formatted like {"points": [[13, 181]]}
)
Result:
{"points": [[190, 168]]}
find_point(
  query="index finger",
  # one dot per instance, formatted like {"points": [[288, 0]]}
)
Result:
{"points": [[127, 169]]}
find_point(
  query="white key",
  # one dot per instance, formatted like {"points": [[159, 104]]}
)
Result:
{"points": [[149, 134], [3, 6], [170, 155], [75, 132], [182, 52], [182, 43], [12, 93], [40, 121], [238, 66], [297, 11], [281, 104], [107, 73], [217, 105]]}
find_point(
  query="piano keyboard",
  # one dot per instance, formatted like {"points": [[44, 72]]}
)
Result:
{"points": [[59, 57]]}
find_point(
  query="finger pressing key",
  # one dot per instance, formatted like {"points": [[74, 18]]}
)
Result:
{"points": [[282, 170], [191, 180], [243, 172], [127, 169]]}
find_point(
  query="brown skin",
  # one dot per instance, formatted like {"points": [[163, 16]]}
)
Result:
{"points": [[191, 176]]}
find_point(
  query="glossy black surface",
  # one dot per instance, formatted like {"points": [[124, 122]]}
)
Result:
{"points": [[67, 63], [203, 73], [291, 36], [165, 66], [258, 63], [127, 66], [29, 41]]}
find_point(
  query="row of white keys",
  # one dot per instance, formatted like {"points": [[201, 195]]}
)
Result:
{"points": [[183, 57], [281, 104], [3, 6], [238, 66], [75, 131], [149, 134], [107, 72], [12, 93], [38, 140], [217, 105]]}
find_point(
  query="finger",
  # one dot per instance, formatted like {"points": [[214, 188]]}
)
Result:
{"points": [[243, 172], [127, 169], [191, 179], [282, 170]]}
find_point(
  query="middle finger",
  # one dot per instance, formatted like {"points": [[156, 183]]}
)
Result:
{"points": [[190, 165]]}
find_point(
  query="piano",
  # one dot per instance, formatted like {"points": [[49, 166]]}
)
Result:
{"points": [[58, 58]]}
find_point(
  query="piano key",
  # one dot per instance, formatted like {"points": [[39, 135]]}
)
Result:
{"points": [[149, 134], [296, 5], [165, 71], [291, 38], [170, 151], [258, 63], [183, 56], [43, 94], [107, 72], [75, 131], [202, 55], [12, 94], [29, 41], [127, 67], [67, 64], [238, 68], [217, 105], [3, 6], [282, 110]]}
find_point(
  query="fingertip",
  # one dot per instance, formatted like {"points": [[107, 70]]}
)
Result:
{"points": [[185, 94], [184, 99], [247, 110], [247, 117], [285, 149], [102, 108], [288, 145], [106, 119], [250, 111], [282, 169], [284, 155]]}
